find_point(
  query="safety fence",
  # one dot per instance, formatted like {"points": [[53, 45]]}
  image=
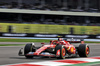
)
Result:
{"points": [[48, 29]]}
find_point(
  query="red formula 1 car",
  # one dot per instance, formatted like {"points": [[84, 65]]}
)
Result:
{"points": [[56, 49]]}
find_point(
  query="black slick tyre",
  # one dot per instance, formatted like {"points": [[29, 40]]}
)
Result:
{"points": [[62, 51], [83, 50], [27, 49]]}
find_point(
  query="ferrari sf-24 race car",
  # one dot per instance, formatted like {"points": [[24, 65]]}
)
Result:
{"points": [[57, 49]]}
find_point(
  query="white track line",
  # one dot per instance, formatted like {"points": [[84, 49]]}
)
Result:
{"points": [[51, 63], [56, 63], [86, 59]]}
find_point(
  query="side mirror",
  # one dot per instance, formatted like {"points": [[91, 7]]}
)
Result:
{"points": [[42, 43]]}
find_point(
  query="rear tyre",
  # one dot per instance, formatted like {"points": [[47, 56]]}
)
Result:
{"points": [[83, 50], [27, 49], [60, 51]]}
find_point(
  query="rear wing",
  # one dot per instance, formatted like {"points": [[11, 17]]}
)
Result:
{"points": [[75, 40]]}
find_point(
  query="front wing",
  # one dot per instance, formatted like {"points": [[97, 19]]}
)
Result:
{"points": [[41, 54]]}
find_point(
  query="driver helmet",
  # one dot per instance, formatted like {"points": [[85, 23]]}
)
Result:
{"points": [[60, 39]]}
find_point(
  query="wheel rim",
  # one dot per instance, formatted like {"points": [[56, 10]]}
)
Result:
{"points": [[87, 50], [58, 52], [63, 52]]}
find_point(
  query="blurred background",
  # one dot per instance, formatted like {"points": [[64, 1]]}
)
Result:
{"points": [[65, 17]]}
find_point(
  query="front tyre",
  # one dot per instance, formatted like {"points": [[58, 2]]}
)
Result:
{"points": [[60, 51], [83, 50], [27, 49]]}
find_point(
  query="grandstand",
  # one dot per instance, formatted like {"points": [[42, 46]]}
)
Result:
{"points": [[50, 16]]}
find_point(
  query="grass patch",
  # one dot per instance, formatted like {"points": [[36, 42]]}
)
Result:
{"points": [[85, 64], [23, 40], [91, 42], [12, 44], [31, 40]]}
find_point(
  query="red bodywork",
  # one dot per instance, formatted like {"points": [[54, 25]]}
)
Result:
{"points": [[69, 47]]}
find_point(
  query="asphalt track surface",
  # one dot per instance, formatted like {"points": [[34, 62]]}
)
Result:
{"points": [[9, 55]]}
